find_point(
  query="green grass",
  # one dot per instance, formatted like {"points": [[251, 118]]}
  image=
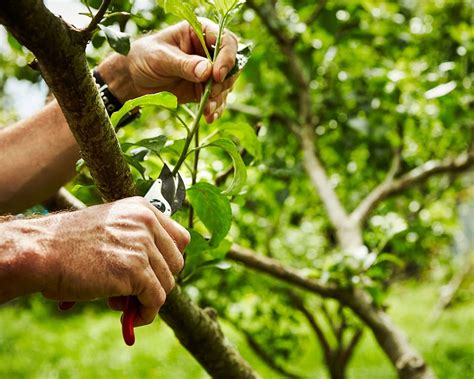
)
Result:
{"points": [[86, 343]]}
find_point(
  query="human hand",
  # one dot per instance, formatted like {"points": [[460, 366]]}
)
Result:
{"points": [[173, 60], [112, 250]]}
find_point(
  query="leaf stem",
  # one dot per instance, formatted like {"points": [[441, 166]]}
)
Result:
{"points": [[194, 126], [202, 104]]}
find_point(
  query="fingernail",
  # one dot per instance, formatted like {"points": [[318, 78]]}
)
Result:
{"points": [[215, 116], [200, 69], [212, 106], [223, 72]]}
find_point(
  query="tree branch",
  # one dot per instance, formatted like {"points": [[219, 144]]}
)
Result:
{"points": [[391, 186], [299, 304], [98, 17], [62, 200], [296, 71], [265, 357], [318, 9], [407, 361], [349, 350], [274, 268], [59, 49]]}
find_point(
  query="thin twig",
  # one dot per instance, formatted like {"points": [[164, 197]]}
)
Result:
{"points": [[98, 17]]}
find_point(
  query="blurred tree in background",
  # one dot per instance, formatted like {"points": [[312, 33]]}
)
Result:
{"points": [[363, 111]]}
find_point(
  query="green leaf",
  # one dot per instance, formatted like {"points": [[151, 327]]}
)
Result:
{"points": [[226, 6], [118, 41], [185, 11], [199, 254], [163, 99], [80, 164], [240, 171], [154, 144], [246, 135], [387, 257], [135, 163], [212, 208]]}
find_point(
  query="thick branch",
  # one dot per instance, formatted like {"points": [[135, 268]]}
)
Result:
{"points": [[346, 233], [274, 268], [296, 71], [391, 186], [60, 52], [407, 361]]}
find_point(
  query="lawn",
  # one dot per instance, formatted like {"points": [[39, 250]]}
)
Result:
{"points": [[38, 342]]}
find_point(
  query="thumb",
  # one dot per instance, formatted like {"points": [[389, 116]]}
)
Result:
{"points": [[193, 68]]}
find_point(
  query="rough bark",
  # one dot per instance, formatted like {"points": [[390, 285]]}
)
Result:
{"points": [[59, 49], [407, 361]]}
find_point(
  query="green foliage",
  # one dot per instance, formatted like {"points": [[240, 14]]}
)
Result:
{"points": [[185, 11], [240, 172], [163, 99], [212, 208], [383, 76], [118, 41]]}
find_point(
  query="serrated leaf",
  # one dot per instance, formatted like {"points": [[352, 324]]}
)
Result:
{"points": [[163, 99], [245, 134], [154, 144], [185, 11], [240, 171], [118, 41], [212, 208]]}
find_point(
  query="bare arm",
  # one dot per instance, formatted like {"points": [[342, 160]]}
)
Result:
{"points": [[38, 156]]}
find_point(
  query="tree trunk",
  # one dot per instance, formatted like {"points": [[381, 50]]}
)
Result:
{"points": [[59, 49]]}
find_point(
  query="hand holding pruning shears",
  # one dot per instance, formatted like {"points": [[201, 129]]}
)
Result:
{"points": [[156, 266]]}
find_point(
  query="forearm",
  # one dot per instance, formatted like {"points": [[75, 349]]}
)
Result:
{"points": [[38, 156], [22, 263]]}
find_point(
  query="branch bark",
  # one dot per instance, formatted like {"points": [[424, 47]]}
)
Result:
{"points": [[59, 49], [391, 186], [408, 363], [304, 130]]}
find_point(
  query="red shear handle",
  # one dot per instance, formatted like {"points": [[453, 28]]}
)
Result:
{"points": [[129, 314]]}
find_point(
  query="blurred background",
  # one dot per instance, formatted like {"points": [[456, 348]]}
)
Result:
{"points": [[385, 78]]}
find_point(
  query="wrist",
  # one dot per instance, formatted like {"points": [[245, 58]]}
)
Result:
{"points": [[116, 74], [23, 259]]}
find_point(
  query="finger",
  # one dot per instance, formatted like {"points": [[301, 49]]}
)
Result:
{"points": [[117, 303], [178, 233], [192, 68], [226, 58], [215, 103], [161, 270], [217, 88], [167, 246], [229, 44], [151, 298], [214, 116]]}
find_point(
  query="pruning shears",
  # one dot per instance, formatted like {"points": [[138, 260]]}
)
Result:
{"points": [[167, 195]]}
